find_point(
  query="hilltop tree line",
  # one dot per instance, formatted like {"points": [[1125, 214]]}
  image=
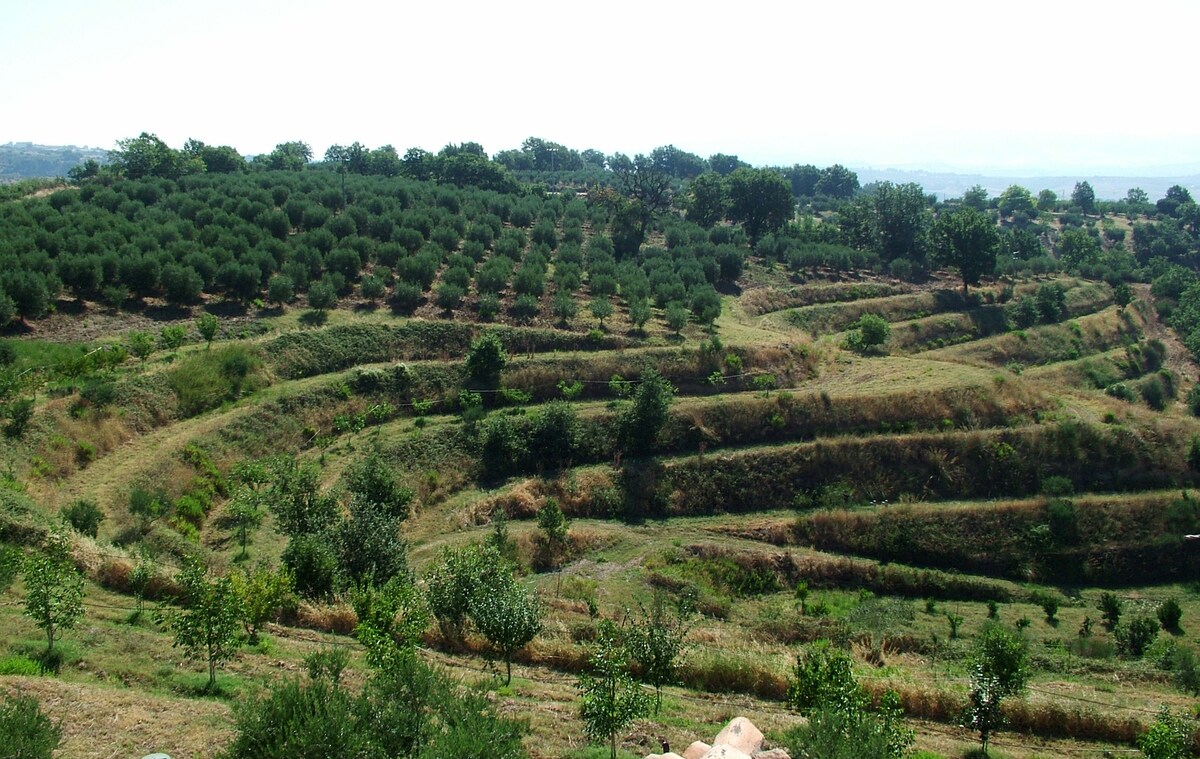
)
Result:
{"points": [[458, 230]]}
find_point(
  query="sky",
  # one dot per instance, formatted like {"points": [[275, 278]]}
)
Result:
{"points": [[1028, 87]]}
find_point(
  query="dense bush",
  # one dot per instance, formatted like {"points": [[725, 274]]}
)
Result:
{"points": [[1135, 636], [25, 732], [84, 516], [405, 710], [871, 332], [206, 380]]}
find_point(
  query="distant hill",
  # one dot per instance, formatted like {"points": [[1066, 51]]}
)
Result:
{"points": [[952, 185], [26, 160]]}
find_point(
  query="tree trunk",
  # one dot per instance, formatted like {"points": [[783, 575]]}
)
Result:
{"points": [[508, 671], [614, 745]]}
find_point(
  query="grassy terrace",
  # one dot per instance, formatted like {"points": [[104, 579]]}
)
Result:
{"points": [[915, 475]]}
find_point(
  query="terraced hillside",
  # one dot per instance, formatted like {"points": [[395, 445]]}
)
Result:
{"points": [[963, 471]]}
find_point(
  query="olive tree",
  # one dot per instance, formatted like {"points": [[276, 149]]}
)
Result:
{"points": [[53, 589], [609, 700], [1000, 670], [206, 623], [656, 640], [509, 616]]}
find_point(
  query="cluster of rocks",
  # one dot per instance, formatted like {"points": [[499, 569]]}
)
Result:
{"points": [[739, 740]]}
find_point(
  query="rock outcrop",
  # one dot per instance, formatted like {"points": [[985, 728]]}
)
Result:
{"points": [[739, 740]]}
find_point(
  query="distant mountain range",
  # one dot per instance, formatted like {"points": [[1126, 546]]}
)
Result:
{"points": [[27, 160]]}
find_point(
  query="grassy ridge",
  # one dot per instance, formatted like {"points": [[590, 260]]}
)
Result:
{"points": [[951, 465], [1087, 540], [1051, 343], [311, 352], [768, 299], [835, 317]]}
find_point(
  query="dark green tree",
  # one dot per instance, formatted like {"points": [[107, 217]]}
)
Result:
{"points": [[26, 731], [901, 221], [760, 200], [368, 544], [261, 593], [1015, 198], [645, 185], [147, 156], [207, 325], [509, 616], [84, 516], [966, 239], [294, 498], [601, 308], [485, 361], [837, 182], [1000, 670], [708, 199], [373, 479], [640, 423], [1137, 197], [871, 332], [217, 159], [724, 164], [462, 575], [287, 156], [976, 197], [1084, 196], [1077, 247]]}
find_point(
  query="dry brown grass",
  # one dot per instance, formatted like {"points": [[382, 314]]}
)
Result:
{"points": [[1097, 332], [763, 300], [100, 722], [333, 618]]}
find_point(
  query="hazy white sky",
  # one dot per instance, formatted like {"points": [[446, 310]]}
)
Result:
{"points": [[1041, 86]]}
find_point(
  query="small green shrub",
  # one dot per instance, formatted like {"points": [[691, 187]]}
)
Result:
{"points": [[823, 677], [1169, 737], [1169, 613], [20, 413], [26, 733], [1193, 400], [1185, 669], [84, 516], [1062, 521], [871, 332], [1120, 390], [1154, 392], [1135, 636], [1110, 609], [1058, 487], [1049, 603], [20, 665], [205, 380]]}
